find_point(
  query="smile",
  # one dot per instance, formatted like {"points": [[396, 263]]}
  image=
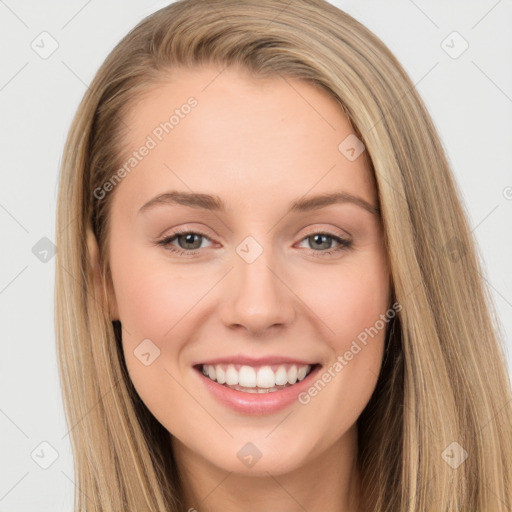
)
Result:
{"points": [[256, 379], [256, 386]]}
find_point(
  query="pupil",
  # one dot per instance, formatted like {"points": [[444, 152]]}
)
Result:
{"points": [[316, 239], [189, 239]]}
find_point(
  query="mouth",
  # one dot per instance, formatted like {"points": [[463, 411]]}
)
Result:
{"points": [[256, 379]]}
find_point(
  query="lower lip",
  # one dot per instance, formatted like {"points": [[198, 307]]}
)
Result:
{"points": [[257, 403]]}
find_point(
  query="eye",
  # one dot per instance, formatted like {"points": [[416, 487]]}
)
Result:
{"points": [[188, 242], [321, 243]]}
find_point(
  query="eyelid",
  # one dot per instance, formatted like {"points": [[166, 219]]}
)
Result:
{"points": [[165, 240], [185, 228], [312, 231], [328, 231], [344, 243]]}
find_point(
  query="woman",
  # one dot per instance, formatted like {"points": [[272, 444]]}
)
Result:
{"points": [[258, 370]]}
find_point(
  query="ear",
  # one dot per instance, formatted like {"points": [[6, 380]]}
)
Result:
{"points": [[103, 287]]}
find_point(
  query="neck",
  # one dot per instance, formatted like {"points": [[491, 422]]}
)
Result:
{"points": [[327, 483]]}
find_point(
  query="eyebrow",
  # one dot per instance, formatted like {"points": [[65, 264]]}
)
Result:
{"points": [[215, 203]]}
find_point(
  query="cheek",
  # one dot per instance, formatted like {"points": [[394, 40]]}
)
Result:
{"points": [[349, 300], [151, 294], [163, 302], [147, 301], [351, 303], [152, 301]]}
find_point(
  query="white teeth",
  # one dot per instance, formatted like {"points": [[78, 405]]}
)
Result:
{"points": [[247, 377], [221, 375], [260, 379], [281, 376], [265, 377], [292, 374], [301, 373], [231, 376]]}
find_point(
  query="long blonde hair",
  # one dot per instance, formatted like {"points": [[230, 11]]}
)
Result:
{"points": [[443, 378]]}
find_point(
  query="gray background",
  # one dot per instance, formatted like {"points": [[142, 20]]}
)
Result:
{"points": [[469, 97]]}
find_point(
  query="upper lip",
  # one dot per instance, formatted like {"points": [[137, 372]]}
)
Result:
{"points": [[252, 361]]}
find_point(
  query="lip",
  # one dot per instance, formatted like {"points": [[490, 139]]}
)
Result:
{"points": [[256, 403], [251, 361]]}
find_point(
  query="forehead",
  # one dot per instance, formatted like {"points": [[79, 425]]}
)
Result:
{"points": [[226, 132]]}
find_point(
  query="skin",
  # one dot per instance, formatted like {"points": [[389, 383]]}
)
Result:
{"points": [[259, 144]]}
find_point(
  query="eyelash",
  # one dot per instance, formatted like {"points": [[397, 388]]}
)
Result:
{"points": [[166, 243]]}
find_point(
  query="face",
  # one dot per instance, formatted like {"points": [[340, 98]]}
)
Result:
{"points": [[262, 287]]}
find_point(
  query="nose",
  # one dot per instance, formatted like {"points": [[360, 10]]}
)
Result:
{"points": [[258, 298]]}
